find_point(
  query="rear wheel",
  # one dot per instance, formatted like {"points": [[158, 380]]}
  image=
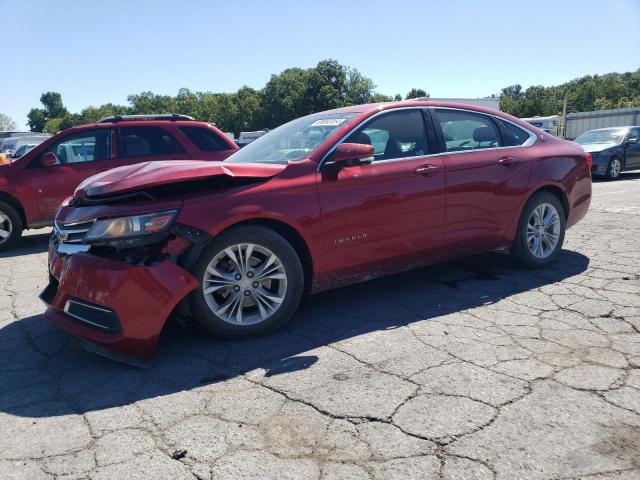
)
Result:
{"points": [[613, 169], [11, 226], [251, 283], [540, 231]]}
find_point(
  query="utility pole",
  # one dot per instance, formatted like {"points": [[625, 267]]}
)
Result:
{"points": [[564, 113]]}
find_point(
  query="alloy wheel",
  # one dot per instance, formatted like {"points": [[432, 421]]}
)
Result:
{"points": [[614, 168], [543, 230], [244, 284], [6, 227]]}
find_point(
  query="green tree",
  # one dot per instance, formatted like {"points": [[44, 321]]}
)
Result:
{"points": [[149, 102], [416, 93], [6, 123], [37, 119], [93, 114], [358, 88], [53, 105], [53, 125], [284, 97], [380, 97]]}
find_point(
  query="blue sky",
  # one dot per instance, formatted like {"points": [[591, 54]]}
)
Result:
{"points": [[94, 52]]}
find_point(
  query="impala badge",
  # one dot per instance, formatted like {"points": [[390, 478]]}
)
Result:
{"points": [[350, 238]]}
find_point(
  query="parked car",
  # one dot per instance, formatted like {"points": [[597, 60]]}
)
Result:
{"points": [[238, 243], [22, 149], [548, 124], [32, 187], [613, 150]]}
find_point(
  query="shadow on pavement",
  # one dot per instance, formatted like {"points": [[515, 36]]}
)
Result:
{"points": [[43, 374], [29, 244]]}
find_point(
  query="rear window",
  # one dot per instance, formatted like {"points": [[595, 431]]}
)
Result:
{"points": [[464, 130], [205, 139], [146, 141], [513, 135]]}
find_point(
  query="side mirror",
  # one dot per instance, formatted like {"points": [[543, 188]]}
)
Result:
{"points": [[49, 159], [350, 154], [632, 140]]}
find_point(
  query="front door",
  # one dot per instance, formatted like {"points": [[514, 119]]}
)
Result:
{"points": [[80, 156], [632, 149], [389, 214]]}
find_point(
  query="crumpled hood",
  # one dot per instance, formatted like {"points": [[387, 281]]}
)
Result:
{"points": [[153, 174], [597, 147]]}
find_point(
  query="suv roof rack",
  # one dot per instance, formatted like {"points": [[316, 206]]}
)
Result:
{"points": [[172, 117]]}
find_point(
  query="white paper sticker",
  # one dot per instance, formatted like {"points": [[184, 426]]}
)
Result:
{"points": [[329, 122]]}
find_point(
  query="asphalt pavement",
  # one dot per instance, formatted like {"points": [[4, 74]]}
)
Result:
{"points": [[474, 369]]}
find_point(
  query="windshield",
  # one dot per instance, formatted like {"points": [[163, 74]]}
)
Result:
{"points": [[601, 136], [292, 141]]}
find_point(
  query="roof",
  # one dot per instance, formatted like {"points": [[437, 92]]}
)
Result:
{"points": [[407, 103]]}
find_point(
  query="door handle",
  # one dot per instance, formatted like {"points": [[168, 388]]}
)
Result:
{"points": [[427, 170], [507, 161]]}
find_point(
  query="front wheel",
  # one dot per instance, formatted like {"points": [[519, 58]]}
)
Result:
{"points": [[10, 226], [251, 283], [613, 169], [540, 231]]}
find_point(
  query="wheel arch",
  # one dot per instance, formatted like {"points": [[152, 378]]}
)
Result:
{"points": [[292, 235], [620, 158], [555, 191], [15, 203]]}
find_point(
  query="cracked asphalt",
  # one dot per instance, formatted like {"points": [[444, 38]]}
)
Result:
{"points": [[474, 369]]}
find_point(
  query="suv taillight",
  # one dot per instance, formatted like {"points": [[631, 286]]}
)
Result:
{"points": [[589, 160]]}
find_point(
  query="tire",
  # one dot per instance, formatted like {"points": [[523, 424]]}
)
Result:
{"points": [[614, 167], [532, 245], [275, 289], [11, 226]]}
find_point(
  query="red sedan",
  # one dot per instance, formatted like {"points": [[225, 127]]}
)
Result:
{"points": [[329, 199]]}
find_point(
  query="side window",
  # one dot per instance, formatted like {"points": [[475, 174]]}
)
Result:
{"points": [[205, 139], [513, 135], [396, 134], [634, 133], [146, 141], [83, 147], [464, 131]]}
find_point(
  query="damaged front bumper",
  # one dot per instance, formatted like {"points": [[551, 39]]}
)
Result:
{"points": [[114, 308]]}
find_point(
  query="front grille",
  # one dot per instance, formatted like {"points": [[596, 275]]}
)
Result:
{"points": [[71, 232], [94, 316]]}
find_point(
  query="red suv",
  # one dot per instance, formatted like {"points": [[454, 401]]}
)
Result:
{"points": [[325, 200], [32, 187]]}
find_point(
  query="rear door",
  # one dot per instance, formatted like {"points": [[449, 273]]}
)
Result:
{"points": [[389, 214], [144, 143], [80, 155], [488, 170]]}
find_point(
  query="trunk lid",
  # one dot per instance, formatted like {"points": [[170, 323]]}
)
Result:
{"points": [[152, 174]]}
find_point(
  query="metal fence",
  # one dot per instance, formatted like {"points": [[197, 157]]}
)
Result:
{"points": [[578, 123]]}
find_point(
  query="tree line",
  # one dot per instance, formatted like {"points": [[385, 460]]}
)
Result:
{"points": [[584, 94], [292, 93], [296, 92]]}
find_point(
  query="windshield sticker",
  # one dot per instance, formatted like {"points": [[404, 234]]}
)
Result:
{"points": [[328, 122]]}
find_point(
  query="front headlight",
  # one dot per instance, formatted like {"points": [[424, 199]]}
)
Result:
{"points": [[129, 229]]}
